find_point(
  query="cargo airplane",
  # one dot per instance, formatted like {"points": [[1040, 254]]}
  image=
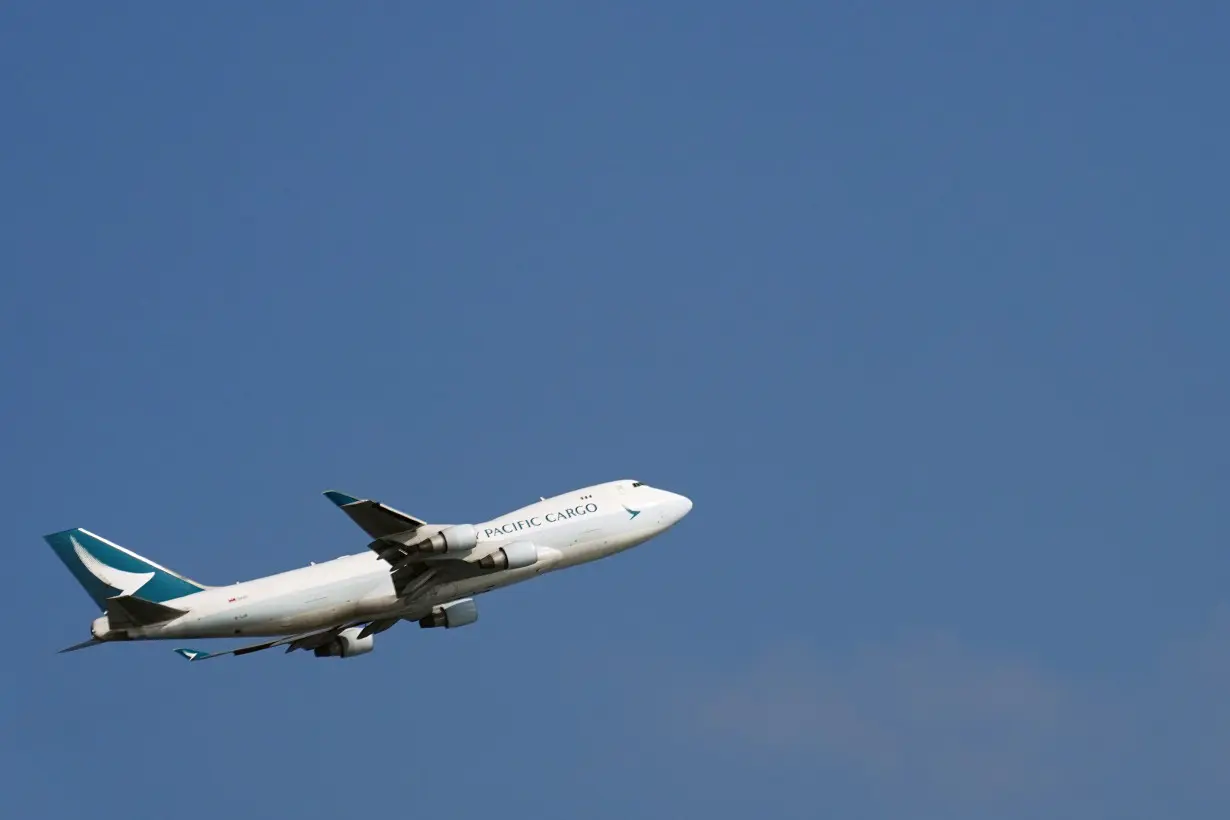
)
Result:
{"points": [[412, 571]]}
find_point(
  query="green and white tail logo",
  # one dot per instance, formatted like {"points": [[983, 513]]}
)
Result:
{"points": [[107, 570], [126, 582]]}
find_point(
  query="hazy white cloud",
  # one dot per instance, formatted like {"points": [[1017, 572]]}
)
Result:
{"points": [[1185, 713], [937, 725], [926, 712]]}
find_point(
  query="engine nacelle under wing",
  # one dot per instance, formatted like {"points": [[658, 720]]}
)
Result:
{"points": [[451, 615], [459, 538], [511, 556], [347, 644]]}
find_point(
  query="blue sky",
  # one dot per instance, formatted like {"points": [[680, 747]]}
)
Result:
{"points": [[922, 304]]}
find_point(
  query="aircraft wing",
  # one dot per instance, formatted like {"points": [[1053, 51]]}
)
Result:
{"points": [[376, 519], [307, 640], [392, 531]]}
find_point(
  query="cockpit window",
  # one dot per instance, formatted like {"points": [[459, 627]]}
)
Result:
{"points": [[637, 483]]}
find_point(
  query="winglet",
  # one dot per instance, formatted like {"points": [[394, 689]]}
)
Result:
{"points": [[192, 654], [340, 499]]}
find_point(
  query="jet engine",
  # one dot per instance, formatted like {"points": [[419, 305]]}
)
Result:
{"points": [[459, 538], [513, 556], [451, 615], [347, 644]]}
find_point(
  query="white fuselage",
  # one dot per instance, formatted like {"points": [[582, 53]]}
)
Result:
{"points": [[569, 529]]}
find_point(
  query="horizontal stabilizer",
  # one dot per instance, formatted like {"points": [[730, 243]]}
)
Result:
{"points": [[193, 654], [82, 645], [128, 611]]}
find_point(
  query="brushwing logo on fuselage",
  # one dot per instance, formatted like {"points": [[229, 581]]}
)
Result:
{"points": [[126, 582], [633, 513]]}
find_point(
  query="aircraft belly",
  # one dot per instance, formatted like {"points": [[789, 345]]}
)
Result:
{"points": [[291, 611]]}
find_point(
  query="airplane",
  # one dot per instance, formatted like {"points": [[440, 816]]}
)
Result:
{"points": [[412, 571]]}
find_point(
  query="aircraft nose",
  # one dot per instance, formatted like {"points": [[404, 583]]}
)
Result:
{"points": [[680, 505]]}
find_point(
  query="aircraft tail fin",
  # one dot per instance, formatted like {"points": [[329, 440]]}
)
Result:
{"points": [[107, 570]]}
